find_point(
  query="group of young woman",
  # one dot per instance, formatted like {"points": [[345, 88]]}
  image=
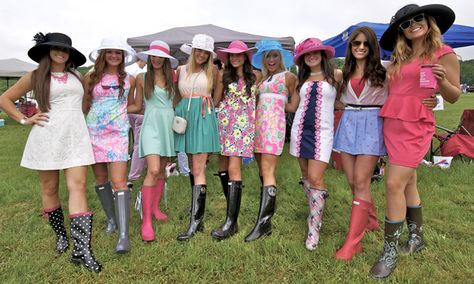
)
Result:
{"points": [[239, 112]]}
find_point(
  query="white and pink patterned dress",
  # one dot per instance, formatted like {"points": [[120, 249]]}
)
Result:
{"points": [[107, 120], [271, 122], [312, 132]]}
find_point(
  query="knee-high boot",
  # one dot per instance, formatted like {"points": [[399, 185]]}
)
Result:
{"points": [[148, 234], [415, 241], [56, 220], [263, 226], [316, 200], [224, 178], [230, 226], [122, 211], [106, 197], [81, 233], [373, 224], [357, 225], [157, 194], [388, 258], [198, 204]]}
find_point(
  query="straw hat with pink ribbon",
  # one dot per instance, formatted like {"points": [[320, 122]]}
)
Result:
{"points": [[161, 49]]}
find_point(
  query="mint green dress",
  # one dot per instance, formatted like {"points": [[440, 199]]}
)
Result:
{"points": [[156, 135]]}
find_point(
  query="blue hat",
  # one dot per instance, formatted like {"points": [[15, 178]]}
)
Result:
{"points": [[266, 45]]}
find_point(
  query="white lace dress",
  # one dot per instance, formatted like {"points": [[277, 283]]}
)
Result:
{"points": [[63, 142]]}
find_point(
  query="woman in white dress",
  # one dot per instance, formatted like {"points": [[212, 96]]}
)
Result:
{"points": [[58, 139]]}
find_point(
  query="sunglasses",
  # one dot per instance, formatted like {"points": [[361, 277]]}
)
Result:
{"points": [[60, 48], [416, 19], [357, 43], [108, 87]]}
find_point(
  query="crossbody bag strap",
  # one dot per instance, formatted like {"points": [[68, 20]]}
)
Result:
{"points": [[192, 92]]}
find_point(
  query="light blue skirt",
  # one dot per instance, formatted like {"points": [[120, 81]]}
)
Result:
{"points": [[360, 133]]}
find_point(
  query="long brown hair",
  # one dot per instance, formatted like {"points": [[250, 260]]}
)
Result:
{"points": [[327, 66], [99, 69], [41, 81], [149, 84], [373, 69], [230, 76]]}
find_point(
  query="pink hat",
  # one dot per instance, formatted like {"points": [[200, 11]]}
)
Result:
{"points": [[235, 47], [312, 44]]}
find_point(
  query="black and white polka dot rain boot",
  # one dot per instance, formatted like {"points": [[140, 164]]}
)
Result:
{"points": [[81, 233], [56, 220]]}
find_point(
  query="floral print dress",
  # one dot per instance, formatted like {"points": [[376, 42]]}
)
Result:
{"points": [[236, 120]]}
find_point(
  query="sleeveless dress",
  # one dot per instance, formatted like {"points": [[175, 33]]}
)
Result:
{"points": [[271, 121], [107, 120], [201, 133], [312, 131], [408, 124], [63, 141], [236, 120], [156, 135]]}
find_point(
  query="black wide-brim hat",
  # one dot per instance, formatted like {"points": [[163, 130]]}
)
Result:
{"points": [[45, 42], [443, 15]]}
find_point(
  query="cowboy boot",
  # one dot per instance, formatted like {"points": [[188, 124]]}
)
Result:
{"points": [[230, 226], [56, 220], [305, 184], [358, 223], [106, 197], [373, 224], [122, 211], [388, 258], [224, 178], [81, 233], [157, 193], [147, 231], [316, 200], [263, 226], [198, 204], [415, 241]]}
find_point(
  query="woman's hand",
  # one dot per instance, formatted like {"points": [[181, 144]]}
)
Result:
{"points": [[338, 105], [38, 119]]}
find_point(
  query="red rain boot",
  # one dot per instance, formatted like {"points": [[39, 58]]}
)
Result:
{"points": [[147, 202], [373, 224], [158, 192]]}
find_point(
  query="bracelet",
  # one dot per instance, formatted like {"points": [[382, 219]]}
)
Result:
{"points": [[23, 120]]}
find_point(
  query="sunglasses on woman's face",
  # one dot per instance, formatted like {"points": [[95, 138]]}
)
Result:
{"points": [[60, 48], [416, 19], [108, 87], [357, 43]]}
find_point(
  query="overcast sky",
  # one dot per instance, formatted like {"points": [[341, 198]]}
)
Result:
{"points": [[87, 22]]}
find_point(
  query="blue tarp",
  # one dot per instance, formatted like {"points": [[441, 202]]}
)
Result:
{"points": [[456, 36]]}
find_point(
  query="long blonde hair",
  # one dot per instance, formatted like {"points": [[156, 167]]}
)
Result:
{"points": [[403, 50], [264, 67], [208, 68]]}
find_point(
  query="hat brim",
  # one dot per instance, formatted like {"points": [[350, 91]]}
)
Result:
{"points": [[223, 54], [37, 52], [443, 15], [188, 49], [144, 56], [328, 50], [130, 56], [286, 56]]}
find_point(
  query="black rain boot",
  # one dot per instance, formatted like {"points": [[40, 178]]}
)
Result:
{"points": [[230, 226], [263, 226], [198, 204], [388, 259], [122, 211], [81, 233], [224, 177], [191, 179], [56, 220], [106, 197], [415, 241]]}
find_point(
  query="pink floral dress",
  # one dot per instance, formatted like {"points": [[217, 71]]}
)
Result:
{"points": [[236, 120], [107, 120], [271, 122]]}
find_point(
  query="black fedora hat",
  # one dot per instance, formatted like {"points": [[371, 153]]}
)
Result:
{"points": [[44, 43], [443, 15]]}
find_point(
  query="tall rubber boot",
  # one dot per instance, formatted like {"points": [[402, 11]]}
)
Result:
{"points": [[230, 226], [157, 194], [316, 200], [358, 223], [373, 224], [198, 204], [224, 178], [106, 197], [263, 226], [122, 211], [56, 220], [415, 241], [81, 234], [147, 232], [388, 258]]}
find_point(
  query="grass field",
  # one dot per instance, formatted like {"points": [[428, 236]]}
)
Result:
{"points": [[26, 240]]}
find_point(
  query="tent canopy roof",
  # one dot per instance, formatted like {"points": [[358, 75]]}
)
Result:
{"points": [[14, 68]]}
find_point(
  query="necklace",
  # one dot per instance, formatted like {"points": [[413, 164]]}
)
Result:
{"points": [[316, 73], [60, 78]]}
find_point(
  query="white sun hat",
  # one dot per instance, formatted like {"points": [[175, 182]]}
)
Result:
{"points": [[115, 42], [161, 49], [200, 41]]}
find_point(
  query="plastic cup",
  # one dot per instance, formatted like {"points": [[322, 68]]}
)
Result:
{"points": [[427, 78]]}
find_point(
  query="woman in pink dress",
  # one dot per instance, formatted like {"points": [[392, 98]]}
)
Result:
{"points": [[276, 86], [108, 89], [414, 35]]}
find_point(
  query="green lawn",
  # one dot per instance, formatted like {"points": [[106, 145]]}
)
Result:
{"points": [[26, 240]]}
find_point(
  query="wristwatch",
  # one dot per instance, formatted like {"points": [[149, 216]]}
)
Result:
{"points": [[23, 120]]}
